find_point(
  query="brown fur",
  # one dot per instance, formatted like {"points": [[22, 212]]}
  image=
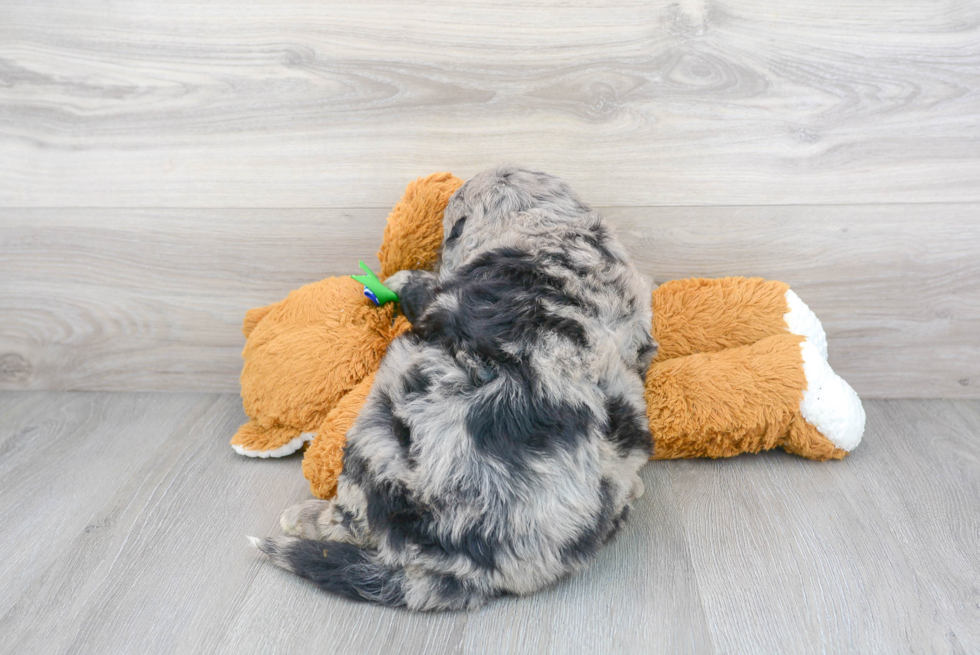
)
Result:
{"points": [[701, 315], [733, 401]]}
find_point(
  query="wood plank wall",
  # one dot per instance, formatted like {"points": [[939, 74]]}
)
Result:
{"points": [[164, 166]]}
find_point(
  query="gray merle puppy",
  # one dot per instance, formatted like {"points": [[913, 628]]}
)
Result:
{"points": [[499, 446]]}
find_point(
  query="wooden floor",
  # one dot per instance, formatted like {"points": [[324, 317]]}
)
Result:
{"points": [[124, 519]]}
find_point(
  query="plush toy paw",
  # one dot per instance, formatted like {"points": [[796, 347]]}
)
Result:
{"points": [[256, 440], [829, 403], [325, 458], [801, 320], [752, 398]]}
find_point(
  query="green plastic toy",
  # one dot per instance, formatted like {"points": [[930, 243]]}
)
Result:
{"points": [[376, 292]]}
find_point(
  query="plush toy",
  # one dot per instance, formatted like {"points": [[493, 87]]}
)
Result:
{"points": [[741, 367]]}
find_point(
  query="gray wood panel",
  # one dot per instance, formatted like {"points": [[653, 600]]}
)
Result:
{"points": [[286, 104], [119, 543], [153, 299]]}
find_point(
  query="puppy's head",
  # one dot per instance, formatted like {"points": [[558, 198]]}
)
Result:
{"points": [[493, 206]]}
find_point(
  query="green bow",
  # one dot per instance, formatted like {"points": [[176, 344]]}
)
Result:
{"points": [[381, 294]]}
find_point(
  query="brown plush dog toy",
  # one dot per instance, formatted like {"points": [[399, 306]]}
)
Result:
{"points": [[742, 365]]}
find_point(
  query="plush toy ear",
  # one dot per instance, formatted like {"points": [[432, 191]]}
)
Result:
{"points": [[254, 316], [414, 231]]}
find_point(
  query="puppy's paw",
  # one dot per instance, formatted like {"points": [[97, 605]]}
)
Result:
{"points": [[398, 281], [302, 520], [638, 489]]}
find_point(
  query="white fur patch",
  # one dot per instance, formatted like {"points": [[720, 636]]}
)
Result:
{"points": [[283, 450], [801, 320], [829, 403]]}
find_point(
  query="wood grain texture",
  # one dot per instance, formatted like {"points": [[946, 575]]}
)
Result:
{"points": [[937, 443], [61, 463], [877, 555], [153, 299], [136, 567], [335, 104], [124, 519], [778, 527]]}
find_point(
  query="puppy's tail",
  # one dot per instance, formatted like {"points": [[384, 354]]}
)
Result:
{"points": [[356, 573]]}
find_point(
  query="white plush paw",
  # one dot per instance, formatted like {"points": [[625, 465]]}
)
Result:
{"points": [[801, 320], [829, 403], [288, 448]]}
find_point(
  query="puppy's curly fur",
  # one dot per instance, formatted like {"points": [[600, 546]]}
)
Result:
{"points": [[500, 444]]}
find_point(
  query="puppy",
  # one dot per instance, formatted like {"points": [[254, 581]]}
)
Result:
{"points": [[499, 446]]}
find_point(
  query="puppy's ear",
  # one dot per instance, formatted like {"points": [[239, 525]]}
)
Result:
{"points": [[457, 230]]}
